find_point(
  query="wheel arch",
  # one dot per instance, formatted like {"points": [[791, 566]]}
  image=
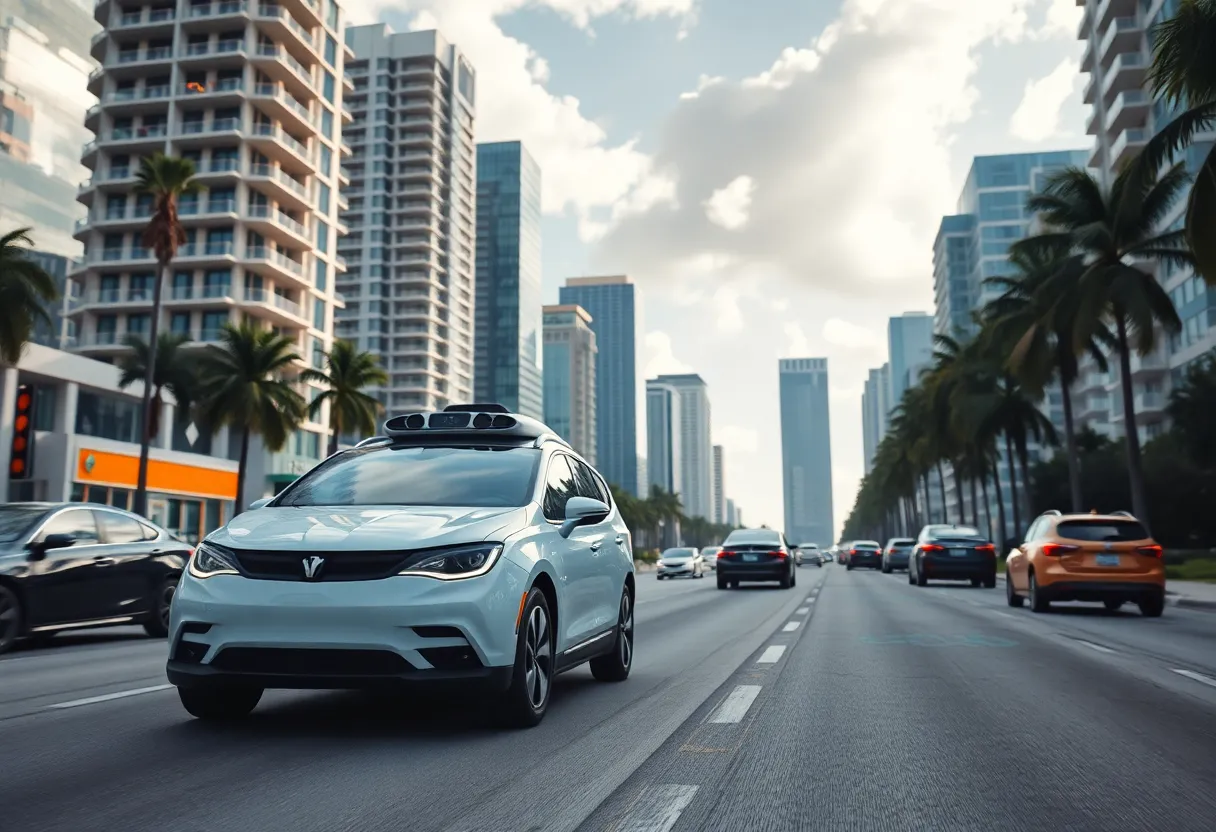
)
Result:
{"points": [[23, 607], [544, 582]]}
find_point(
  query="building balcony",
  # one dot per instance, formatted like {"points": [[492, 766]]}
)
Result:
{"points": [[276, 143], [279, 186], [281, 25], [225, 91], [215, 171], [280, 65], [210, 211], [1123, 36], [207, 296], [149, 23], [230, 53], [1108, 10], [206, 253], [117, 256], [111, 297], [277, 225], [274, 100], [202, 133], [129, 102], [275, 266], [1127, 72], [343, 175], [1129, 143], [126, 218], [280, 310], [1129, 109], [1146, 405], [308, 12], [213, 16]]}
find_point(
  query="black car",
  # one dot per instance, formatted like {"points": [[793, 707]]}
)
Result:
{"points": [[867, 553], [66, 566], [953, 553], [756, 555]]}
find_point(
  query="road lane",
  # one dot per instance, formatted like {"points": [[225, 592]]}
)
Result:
{"points": [[338, 761], [901, 708]]}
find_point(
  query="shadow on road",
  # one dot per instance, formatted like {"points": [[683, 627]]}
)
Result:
{"points": [[81, 638]]}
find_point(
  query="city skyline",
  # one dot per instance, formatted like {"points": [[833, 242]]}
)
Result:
{"points": [[806, 451]]}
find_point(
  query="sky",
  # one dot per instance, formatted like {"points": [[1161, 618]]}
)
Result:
{"points": [[771, 173]]}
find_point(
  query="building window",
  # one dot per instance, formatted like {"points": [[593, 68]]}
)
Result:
{"points": [[318, 314], [327, 123], [322, 273], [327, 86], [331, 49], [107, 417], [327, 159], [179, 324], [322, 238], [323, 195]]}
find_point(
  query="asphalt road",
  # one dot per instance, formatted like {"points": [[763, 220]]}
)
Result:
{"points": [[853, 701]]}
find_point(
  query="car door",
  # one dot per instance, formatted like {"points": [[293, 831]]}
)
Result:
{"points": [[66, 585], [135, 573], [571, 557], [598, 542], [1017, 564]]}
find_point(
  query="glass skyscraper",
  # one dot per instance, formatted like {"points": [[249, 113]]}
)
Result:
{"points": [[507, 352], [612, 305], [806, 451]]}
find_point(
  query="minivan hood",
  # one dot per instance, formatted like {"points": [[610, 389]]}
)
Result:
{"points": [[320, 528]]}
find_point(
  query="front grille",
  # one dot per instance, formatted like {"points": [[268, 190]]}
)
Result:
{"points": [[307, 661], [336, 566]]}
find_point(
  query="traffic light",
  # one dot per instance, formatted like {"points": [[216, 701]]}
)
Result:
{"points": [[21, 460]]}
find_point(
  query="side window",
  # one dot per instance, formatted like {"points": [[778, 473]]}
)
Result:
{"points": [[78, 522], [584, 481], [605, 491], [118, 528], [1033, 532], [149, 533], [559, 487]]}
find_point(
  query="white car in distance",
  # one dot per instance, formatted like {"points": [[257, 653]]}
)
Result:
{"points": [[681, 562]]}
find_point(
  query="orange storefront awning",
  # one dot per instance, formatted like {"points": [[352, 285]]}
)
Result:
{"points": [[106, 468]]}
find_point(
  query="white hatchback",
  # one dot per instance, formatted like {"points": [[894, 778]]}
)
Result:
{"points": [[469, 546]]}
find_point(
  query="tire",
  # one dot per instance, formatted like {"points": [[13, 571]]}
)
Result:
{"points": [[921, 580], [658, 577], [527, 698], [615, 666], [1037, 602], [1112, 605], [1011, 597], [849, 567], [10, 618], [975, 583], [219, 703], [1152, 606], [886, 570], [990, 581], [911, 580], [157, 623], [787, 581], [721, 582], [794, 579]]}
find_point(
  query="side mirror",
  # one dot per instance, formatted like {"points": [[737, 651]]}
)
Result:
{"points": [[256, 504], [582, 511], [51, 541]]}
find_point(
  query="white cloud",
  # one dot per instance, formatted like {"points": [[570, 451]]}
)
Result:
{"points": [[728, 206], [1037, 118], [660, 357], [796, 343], [1062, 18], [850, 335], [703, 83]]}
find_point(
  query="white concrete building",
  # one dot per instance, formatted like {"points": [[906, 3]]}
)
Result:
{"points": [[252, 93], [719, 484], [694, 474], [664, 439], [569, 381], [412, 214]]}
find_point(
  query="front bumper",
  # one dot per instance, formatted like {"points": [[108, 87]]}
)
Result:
{"points": [[345, 634], [682, 571], [1100, 591]]}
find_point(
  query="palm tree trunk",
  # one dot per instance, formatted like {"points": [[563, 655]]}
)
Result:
{"points": [[1070, 445], [1024, 461], [927, 518], [335, 427], [1003, 534], [1013, 487], [1135, 472], [987, 503], [240, 471], [941, 485], [958, 488], [975, 505], [145, 441]]}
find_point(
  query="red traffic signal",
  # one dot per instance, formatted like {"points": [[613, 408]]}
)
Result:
{"points": [[21, 456]]}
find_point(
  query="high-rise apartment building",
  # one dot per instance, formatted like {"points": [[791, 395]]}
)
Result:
{"points": [[875, 408], [731, 513], [664, 438], [44, 93], [412, 214], [613, 306], [252, 94], [569, 392], [696, 469], [1118, 37], [719, 495], [909, 351], [806, 450], [507, 339]]}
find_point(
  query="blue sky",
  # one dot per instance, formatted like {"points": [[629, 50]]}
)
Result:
{"points": [[771, 173]]}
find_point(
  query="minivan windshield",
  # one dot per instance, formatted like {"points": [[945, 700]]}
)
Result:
{"points": [[414, 476]]}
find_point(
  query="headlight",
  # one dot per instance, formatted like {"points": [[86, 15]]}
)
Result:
{"points": [[456, 562], [210, 559]]}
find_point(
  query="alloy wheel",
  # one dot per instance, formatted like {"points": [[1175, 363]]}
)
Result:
{"points": [[624, 638], [8, 620], [166, 603], [538, 658]]}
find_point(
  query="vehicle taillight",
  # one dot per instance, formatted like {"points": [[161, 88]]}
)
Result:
{"points": [[1152, 550], [891, 551], [780, 554], [987, 547], [932, 547], [1057, 549], [724, 553], [852, 551]]}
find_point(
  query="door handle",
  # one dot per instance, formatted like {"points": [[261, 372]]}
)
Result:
{"points": [[620, 540], [595, 547], [104, 561]]}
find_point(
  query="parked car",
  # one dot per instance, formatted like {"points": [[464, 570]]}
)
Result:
{"points": [[70, 566], [756, 555], [896, 554], [1087, 557], [952, 553], [682, 562]]}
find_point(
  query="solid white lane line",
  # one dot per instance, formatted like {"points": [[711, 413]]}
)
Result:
{"points": [[734, 706], [1198, 677], [658, 808], [122, 694], [802, 610], [1100, 648], [771, 654], [789, 628]]}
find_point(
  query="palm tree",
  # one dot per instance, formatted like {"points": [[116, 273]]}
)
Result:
{"points": [[1113, 230], [166, 179], [243, 385], [1191, 406], [25, 291], [1184, 75], [176, 370], [350, 409]]}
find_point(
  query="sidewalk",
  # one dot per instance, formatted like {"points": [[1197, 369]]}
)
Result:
{"points": [[1191, 594]]}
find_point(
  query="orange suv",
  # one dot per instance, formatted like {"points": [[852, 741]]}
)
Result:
{"points": [[1087, 557]]}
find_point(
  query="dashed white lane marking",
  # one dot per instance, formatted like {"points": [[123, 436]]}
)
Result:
{"points": [[802, 611], [771, 654], [789, 628], [1198, 677], [734, 706], [1100, 648], [658, 808], [122, 694]]}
